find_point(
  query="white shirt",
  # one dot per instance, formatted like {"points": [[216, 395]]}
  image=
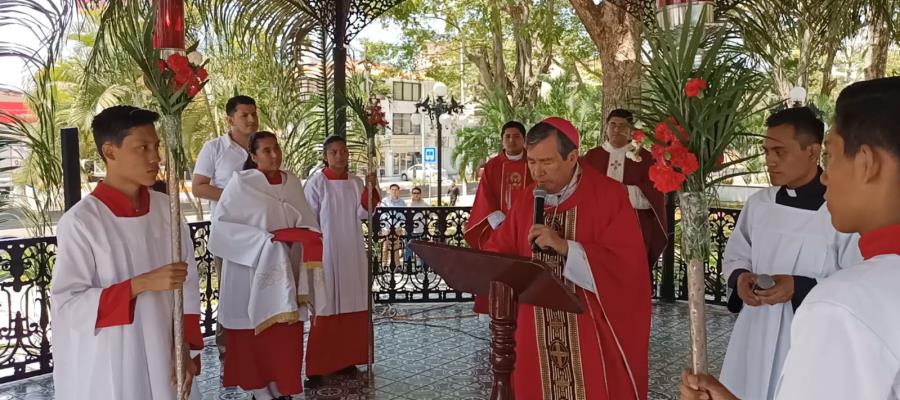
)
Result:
{"points": [[846, 337], [390, 202], [218, 160], [419, 203]]}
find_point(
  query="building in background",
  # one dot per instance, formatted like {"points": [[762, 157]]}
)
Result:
{"points": [[403, 143], [12, 156]]}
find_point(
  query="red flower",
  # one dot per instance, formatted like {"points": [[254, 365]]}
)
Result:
{"points": [[665, 179], [683, 159], [663, 133], [179, 63], [694, 86], [193, 87], [659, 153], [682, 135], [638, 135], [161, 65], [202, 74]]}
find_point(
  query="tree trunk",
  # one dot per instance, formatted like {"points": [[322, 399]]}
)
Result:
{"points": [[501, 81], [879, 40], [803, 65], [828, 82], [617, 36]]}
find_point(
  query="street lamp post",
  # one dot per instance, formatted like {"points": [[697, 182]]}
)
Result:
{"points": [[439, 110]]}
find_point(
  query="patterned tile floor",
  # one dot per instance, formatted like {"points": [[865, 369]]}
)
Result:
{"points": [[441, 352]]}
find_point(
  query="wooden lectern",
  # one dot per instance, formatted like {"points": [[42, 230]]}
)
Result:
{"points": [[508, 281]]}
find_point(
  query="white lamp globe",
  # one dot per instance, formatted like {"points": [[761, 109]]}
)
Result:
{"points": [[445, 120], [440, 89], [416, 118], [798, 95]]}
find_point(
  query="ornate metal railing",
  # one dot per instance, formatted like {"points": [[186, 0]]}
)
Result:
{"points": [[26, 266], [671, 272], [400, 276]]}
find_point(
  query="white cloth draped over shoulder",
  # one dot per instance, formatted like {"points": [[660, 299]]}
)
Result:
{"points": [[96, 250], [263, 282], [337, 205]]}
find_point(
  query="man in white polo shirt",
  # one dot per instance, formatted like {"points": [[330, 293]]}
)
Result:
{"points": [[218, 161]]}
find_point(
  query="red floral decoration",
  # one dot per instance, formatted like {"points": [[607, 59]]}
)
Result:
{"points": [[638, 136], [665, 178], [674, 162], [694, 86], [183, 74], [376, 116]]}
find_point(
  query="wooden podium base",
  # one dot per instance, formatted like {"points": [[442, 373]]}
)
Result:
{"points": [[503, 312]]}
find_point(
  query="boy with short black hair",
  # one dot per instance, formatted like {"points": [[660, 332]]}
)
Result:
{"points": [[111, 287]]}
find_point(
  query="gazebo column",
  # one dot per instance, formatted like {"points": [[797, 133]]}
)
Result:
{"points": [[340, 67]]}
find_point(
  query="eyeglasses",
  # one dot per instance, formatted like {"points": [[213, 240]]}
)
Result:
{"points": [[416, 192]]}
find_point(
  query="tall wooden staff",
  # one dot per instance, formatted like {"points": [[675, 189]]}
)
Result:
{"points": [[371, 167], [170, 39]]}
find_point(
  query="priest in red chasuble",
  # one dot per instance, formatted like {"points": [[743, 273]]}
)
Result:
{"points": [[592, 241], [504, 179], [617, 159]]}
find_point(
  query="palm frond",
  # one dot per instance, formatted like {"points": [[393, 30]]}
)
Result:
{"points": [[48, 21], [715, 121]]}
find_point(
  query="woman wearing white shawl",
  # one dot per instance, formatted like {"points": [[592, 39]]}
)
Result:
{"points": [[272, 249]]}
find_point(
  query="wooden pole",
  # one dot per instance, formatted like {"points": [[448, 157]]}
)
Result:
{"points": [[371, 210], [170, 39], [171, 125]]}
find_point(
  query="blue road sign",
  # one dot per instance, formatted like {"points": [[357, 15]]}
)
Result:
{"points": [[431, 155]]}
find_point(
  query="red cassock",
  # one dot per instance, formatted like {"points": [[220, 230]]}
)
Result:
{"points": [[654, 224], [502, 181], [600, 354]]}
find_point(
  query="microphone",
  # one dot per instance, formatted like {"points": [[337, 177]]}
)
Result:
{"points": [[764, 282], [539, 195]]}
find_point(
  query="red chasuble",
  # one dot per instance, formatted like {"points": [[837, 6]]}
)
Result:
{"points": [[600, 354], [116, 305], [502, 181], [654, 224]]}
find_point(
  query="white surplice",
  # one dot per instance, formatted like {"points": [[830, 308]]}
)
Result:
{"points": [[846, 337], [775, 239], [95, 250], [337, 204], [616, 170], [263, 281]]}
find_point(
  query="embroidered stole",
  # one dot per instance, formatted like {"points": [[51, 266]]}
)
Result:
{"points": [[557, 331]]}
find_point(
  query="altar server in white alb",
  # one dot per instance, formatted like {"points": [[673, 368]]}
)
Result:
{"points": [[271, 248], [846, 342], [785, 232], [338, 336], [111, 297]]}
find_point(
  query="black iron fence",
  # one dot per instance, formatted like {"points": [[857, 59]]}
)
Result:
{"points": [[400, 276]]}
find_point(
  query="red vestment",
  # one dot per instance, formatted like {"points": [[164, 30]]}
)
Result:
{"points": [[602, 353], [502, 181], [654, 224]]}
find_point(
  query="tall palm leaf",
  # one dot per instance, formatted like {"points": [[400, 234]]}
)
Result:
{"points": [[48, 21]]}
